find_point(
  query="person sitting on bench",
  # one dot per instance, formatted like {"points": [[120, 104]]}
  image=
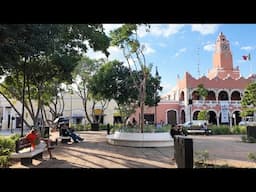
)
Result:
{"points": [[35, 138], [69, 132]]}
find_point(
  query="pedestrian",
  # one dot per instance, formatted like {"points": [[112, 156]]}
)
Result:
{"points": [[108, 129], [67, 131], [174, 131]]}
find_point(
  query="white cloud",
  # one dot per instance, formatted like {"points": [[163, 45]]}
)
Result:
{"points": [[165, 30], [166, 88], [247, 48], [110, 27], [180, 51], [115, 53], [162, 45], [205, 29], [236, 43], [209, 47], [148, 49], [241, 61]]}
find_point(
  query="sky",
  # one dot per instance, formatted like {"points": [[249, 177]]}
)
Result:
{"points": [[177, 48]]}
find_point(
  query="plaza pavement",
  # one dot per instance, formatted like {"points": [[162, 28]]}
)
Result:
{"points": [[95, 152]]}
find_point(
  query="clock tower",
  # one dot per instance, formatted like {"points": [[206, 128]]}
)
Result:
{"points": [[222, 60]]}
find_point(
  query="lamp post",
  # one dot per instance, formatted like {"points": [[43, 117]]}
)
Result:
{"points": [[155, 96], [70, 122], [155, 111], [23, 96]]}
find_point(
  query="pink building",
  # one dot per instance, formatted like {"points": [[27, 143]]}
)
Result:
{"points": [[225, 88]]}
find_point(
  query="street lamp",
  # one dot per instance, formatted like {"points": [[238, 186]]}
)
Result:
{"points": [[155, 96], [23, 96]]}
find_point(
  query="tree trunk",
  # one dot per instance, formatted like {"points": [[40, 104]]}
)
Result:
{"points": [[142, 103]]}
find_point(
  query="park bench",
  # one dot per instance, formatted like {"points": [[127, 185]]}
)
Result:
{"points": [[25, 153], [63, 136]]}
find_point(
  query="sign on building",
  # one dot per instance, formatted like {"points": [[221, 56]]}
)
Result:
{"points": [[224, 111]]}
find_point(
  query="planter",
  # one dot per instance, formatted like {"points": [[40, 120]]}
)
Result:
{"points": [[140, 139]]}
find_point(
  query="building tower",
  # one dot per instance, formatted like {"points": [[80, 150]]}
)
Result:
{"points": [[222, 60]]}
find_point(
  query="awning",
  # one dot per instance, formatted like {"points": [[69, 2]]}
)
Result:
{"points": [[117, 114], [98, 112]]}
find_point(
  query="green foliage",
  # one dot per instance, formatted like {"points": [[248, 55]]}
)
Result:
{"points": [[249, 100], [126, 38], [221, 130], [113, 81], [15, 137], [202, 91], [201, 157], [4, 161], [203, 115], [244, 138], [7, 143], [252, 157], [45, 54], [238, 130]]}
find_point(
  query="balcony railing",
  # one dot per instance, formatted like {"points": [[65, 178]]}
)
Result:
{"points": [[214, 103]]}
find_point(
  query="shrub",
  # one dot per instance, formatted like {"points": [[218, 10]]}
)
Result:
{"points": [[221, 130], [238, 130], [4, 161], [201, 157], [252, 156], [7, 143], [15, 137], [244, 138]]}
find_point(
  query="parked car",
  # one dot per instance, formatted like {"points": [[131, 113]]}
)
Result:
{"points": [[247, 121], [195, 124]]}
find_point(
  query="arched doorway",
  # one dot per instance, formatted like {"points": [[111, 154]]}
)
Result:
{"points": [[172, 117], [182, 116], [236, 118], [195, 115], [212, 117]]}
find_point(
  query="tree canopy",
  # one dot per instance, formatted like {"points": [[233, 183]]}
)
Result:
{"points": [[249, 100], [46, 55]]}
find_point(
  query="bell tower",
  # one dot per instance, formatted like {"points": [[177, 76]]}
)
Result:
{"points": [[222, 60]]}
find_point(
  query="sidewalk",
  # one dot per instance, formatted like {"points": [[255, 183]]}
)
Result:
{"points": [[95, 152]]}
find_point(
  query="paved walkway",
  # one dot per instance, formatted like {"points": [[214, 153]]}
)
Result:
{"points": [[94, 152]]}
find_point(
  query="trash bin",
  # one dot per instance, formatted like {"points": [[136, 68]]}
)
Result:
{"points": [[183, 147], [251, 131], [45, 131], [95, 126], [108, 129]]}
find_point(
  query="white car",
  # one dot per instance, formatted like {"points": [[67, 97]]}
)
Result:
{"points": [[194, 123]]}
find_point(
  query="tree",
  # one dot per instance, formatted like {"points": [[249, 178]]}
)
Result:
{"points": [[203, 115], [82, 79], [115, 81], [44, 54], [202, 91], [249, 100], [125, 37]]}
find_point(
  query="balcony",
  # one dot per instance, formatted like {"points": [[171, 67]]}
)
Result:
{"points": [[212, 103]]}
